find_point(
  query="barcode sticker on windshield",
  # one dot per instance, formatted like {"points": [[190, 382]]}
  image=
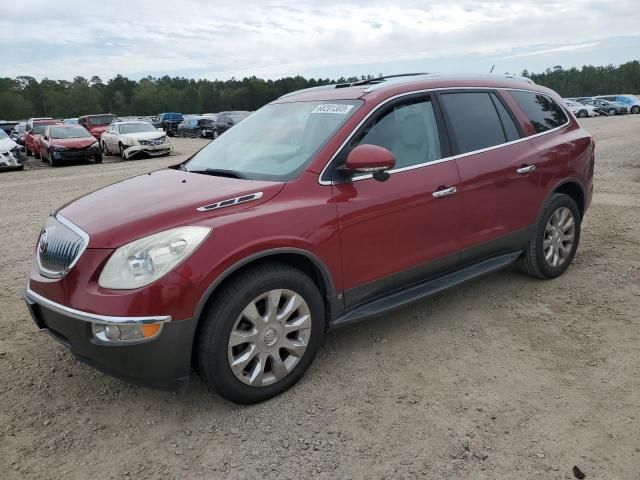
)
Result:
{"points": [[333, 108]]}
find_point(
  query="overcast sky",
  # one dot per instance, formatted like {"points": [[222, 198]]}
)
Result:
{"points": [[220, 39]]}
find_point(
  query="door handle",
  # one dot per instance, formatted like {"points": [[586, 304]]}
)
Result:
{"points": [[527, 169], [444, 192]]}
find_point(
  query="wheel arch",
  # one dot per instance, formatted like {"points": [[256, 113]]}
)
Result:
{"points": [[301, 259], [573, 189]]}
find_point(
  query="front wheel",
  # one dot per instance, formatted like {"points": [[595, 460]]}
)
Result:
{"points": [[215, 134], [122, 149], [104, 148], [555, 239], [582, 113], [635, 109], [261, 333], [611, 112]]}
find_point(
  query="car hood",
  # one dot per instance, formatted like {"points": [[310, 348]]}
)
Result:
{"points": [[6, 144], [74, 142], [144, 135], [150, 203]]}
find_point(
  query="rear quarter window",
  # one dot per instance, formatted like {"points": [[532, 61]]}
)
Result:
{"points": [[543, 112]]}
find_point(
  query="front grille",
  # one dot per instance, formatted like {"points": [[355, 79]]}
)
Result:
{"points": [[157, 141], [60, 245]]}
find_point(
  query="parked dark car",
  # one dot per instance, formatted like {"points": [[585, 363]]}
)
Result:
{"points": [[68, 143], [169, 122], [605, 106], [237, 261], [197, 127], [7, 126], [226, 120], [18, 133]]}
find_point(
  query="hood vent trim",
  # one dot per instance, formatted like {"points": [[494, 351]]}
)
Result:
{"points": [[231, 202]]}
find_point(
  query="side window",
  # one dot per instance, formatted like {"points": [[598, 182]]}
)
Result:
{"points": [[542, 111], [474, 120], [408, 130], [509, 126]]}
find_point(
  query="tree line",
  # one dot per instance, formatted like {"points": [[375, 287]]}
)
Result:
{"points": [[24, 97]]}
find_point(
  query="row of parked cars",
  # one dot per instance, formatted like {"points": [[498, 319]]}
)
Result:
{"points": [[603, 105], [208, 125], [91, 136]]}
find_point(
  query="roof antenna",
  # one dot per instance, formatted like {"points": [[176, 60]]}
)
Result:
{"points": [[492, 67]]}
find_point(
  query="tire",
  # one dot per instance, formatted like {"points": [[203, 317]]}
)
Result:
{"points": [[215, 134], [582, 113], [104, 148], [635, 109], [53, 162], [98, 158], [533, 261], [181, 133], [121, 149], [611, 112], [197, 133], [224, 316]]}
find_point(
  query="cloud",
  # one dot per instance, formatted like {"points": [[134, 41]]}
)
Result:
{"points": [[224, 39]]}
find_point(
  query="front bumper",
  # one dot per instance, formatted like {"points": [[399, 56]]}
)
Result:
{"points": [[76, 154], [152, 150], [163, 362]]}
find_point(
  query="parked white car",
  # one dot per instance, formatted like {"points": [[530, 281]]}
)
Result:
{"points": [[133, 138], [581, 110], [9, 153]]}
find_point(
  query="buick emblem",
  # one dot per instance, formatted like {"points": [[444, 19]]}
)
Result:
{"points": [[43, 242]]}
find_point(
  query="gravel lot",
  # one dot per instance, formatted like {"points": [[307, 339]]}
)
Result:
{"points": [[505, 377]]}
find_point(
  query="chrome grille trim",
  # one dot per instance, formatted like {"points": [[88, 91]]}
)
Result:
{"points": [[231, 202], [63, 250]]}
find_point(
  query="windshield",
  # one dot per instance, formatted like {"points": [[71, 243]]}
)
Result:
{"points": [[236, 117], [277, 141], [101, 120], [38, 128], [3, 134], [137, 127], [69, 132]]}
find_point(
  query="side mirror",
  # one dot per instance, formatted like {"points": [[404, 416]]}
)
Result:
{"points": [[370, 159]]}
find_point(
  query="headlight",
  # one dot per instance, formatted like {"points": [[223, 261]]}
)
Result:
{"points": [[145, 260], [130, 141], [94, 145]]}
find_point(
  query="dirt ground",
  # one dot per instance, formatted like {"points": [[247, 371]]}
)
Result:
{"points": [[505, 377]]}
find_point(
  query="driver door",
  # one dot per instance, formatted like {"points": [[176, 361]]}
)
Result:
{"points": [[405, 229]]}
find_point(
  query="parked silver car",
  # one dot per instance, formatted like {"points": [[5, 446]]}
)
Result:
{"points": [[605, 106]]}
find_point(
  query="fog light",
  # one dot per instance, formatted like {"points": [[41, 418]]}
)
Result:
{"points": [[125, 332]]}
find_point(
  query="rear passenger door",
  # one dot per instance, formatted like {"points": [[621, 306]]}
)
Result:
{"points": [[499, 182]]}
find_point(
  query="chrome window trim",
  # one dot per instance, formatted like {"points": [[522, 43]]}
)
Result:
{"points": [[442, 160], [90, 317], [75, 229]]}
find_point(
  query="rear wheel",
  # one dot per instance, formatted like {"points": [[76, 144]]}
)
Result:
{"points": [[635, 109], [582, 113], [612, 112], [555, 240], [261, 333]]}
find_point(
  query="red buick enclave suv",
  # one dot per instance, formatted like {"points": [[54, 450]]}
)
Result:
{"points": [[323, 208]]}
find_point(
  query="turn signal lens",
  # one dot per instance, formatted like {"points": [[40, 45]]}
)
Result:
{"points": [[125, 332]]}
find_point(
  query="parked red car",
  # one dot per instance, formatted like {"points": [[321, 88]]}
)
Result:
{"points": [[32, 135], [97, 124], [62, 143], [237, 261]]}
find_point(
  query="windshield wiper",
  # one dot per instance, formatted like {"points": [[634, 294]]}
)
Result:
{"points": [[220, 172]]}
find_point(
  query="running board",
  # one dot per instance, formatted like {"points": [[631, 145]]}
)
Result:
{"points": [[417, 292]]}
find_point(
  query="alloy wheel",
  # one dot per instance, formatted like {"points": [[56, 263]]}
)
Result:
{"points": [[269, 337], [559, 237]]}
